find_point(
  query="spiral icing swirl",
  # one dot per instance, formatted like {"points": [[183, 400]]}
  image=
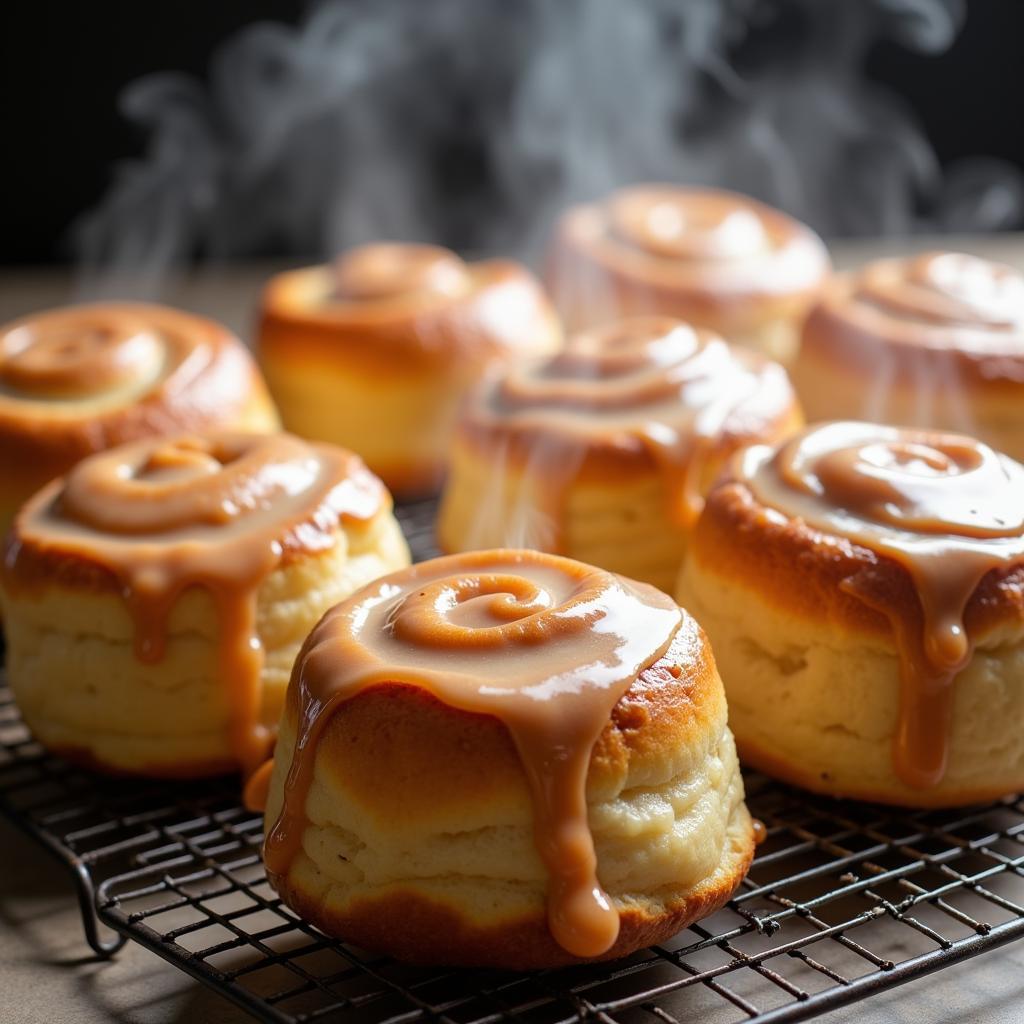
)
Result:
{"points": [[72, 355], [701, 246], [192, 482], [946, 508], [546, 644], [920, 482], [217, 512], [86, 353]]}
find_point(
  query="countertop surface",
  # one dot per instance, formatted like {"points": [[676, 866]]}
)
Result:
{"points": [[47, 975]]}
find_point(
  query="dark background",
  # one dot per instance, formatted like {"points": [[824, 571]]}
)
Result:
{"points": [[63, 65]]}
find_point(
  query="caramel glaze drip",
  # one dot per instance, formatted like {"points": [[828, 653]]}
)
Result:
{"points": [[947, 508], [215, 512], [79, 353], [387, 270], [545, 644], [936, 299], [682, 393]]}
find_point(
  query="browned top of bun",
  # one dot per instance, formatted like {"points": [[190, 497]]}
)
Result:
{"points": [[414, 304], [799, 568]]}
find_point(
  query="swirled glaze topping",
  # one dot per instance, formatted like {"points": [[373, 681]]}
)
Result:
{"points": [[386, 270], [216, 512], [947, 508], [80, 353], [545, 644], [938, 299], [650, 383], [689, 240]]}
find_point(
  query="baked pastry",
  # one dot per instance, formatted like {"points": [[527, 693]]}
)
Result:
{"points": [[377, 351], [936, 340], [603, 453], [718, 259], [508, 759], [80, 379], [863, 587], [155, 598]]}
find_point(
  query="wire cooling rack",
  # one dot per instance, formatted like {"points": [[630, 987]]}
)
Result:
{"points": [[843, 900]]}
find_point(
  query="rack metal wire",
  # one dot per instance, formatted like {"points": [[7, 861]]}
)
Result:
{"points": [[843, 900]]}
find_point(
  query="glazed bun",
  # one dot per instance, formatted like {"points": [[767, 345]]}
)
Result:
{"points": [[377, 351], [863, 587], [155, 598], [506, 759], [604, 452], [715, 258], [80, 379], [936, 341]]}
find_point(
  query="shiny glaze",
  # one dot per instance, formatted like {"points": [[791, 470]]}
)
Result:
{"points": [[91, 358], [545, 644], [947, 508], [217, 512], [651, 383]]}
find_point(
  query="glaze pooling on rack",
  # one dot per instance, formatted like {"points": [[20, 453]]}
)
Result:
{"points": [[545, 644], [215, 512], [947, 508]]}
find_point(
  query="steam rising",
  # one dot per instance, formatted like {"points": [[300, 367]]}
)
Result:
{"points": [[472, 122]]}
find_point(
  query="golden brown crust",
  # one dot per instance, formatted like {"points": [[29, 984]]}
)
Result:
{"points": [[404, 336], [419, 930], [800, 569]]}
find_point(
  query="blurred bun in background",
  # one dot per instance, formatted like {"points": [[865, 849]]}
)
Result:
{"points": [[717, 259], [935, 340], [377, 351]]}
